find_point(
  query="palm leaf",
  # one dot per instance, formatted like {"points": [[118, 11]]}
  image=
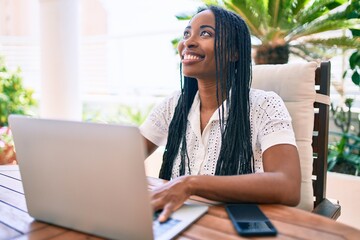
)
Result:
{"points": [[285, 18], [274, 9], [322, 26], [348, 13], [241, 7], [298, 6], [301, 54], [259, 9], [342, 42], [317, 9], [312, 52]]}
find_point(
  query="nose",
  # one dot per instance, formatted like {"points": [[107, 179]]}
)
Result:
{"points": [[190, 42]]}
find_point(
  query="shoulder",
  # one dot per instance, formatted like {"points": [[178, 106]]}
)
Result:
{"points": [[259, 97], [156, 126], [169, 102], [172, 98], [267, 104]]}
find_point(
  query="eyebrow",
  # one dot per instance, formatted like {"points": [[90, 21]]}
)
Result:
{"points": [[207, 26], [202, 26]]}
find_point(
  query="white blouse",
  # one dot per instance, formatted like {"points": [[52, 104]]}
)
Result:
{"points": [[270, 125]]}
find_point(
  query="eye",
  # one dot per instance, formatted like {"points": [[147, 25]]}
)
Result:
{"points": [[205, 34], [186, 34]]}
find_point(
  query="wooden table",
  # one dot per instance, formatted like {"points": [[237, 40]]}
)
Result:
{"points": [[291, 223]]}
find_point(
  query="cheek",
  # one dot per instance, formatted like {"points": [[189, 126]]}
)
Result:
{"points": [[211, 55]]}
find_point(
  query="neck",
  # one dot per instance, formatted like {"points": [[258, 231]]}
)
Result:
{"points": [[208, 97]]}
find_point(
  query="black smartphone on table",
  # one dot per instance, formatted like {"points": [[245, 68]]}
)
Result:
{"points": [[249, 220]]}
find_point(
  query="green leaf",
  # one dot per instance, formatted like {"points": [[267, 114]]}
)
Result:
{"points": [[356, 78], [312, 52], [314, 11], [323, 26], [354, 59], [185, 16], [342, 42], [253, 19], [335, 4], [213, 2], [298, 6], [14, 97]]}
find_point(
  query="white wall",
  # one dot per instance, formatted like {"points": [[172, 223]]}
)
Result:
{"points": [[345, 189]]}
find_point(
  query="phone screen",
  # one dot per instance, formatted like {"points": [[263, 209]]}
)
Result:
{"points": [[256, 227], [249, 220]]}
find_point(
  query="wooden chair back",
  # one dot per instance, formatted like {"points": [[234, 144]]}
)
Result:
{"points": [[322, 205], [321, 132]]}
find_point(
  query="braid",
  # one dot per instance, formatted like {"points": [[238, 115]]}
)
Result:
{"points": [[233, 45], [177, 129], [232, 53]]}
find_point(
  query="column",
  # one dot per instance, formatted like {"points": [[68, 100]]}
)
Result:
{"points": [[59, 43]]}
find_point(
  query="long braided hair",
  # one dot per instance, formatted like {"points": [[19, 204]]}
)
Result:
{"points": [[232, 53]]}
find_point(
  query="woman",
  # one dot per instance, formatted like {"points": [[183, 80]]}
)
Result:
{"points": [[217, 130]]}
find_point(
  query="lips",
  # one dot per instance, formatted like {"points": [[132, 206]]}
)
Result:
{"points": [[189, 58], [192, 57]]}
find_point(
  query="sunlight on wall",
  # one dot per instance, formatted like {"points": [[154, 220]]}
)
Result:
{"points": [[140, 52]]}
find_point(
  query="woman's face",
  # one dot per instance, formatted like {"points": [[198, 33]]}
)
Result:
{"points": [[196, 49]]}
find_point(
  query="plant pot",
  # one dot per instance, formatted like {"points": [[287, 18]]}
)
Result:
{"points": [[271, 54]]}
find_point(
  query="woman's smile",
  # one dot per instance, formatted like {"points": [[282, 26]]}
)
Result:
{"points": [[191, 58]]}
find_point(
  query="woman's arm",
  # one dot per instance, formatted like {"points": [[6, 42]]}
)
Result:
{"points": [[280, 183], [150, 146]]}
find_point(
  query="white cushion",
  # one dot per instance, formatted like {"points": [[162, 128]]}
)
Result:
{"points": [[295, 84]]}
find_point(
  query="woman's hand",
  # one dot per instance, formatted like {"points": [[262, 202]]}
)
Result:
{"points": [[170, 196]]}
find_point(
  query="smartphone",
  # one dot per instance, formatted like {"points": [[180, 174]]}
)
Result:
{"points": [[249, 220]]}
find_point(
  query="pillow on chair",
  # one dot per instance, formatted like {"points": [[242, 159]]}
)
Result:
{"points": [[295, 84]]}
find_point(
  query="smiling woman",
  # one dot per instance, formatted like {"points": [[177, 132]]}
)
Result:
{"points": [[217, 131]]}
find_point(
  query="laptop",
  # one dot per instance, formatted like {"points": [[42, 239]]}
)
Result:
{"points": [[90, 177]]}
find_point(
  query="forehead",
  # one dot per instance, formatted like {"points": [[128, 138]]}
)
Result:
{"points": [[205, 17]]}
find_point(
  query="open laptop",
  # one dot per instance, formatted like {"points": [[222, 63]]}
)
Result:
{"points": [[90, 177]]}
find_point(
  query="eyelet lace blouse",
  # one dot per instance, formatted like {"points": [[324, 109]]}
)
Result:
{"points": [[270, 125]]}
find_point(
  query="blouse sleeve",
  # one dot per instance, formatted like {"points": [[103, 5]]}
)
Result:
{"points": [[156, 126], [273, 122]]}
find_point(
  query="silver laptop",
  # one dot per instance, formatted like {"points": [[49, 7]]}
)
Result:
{"points": [[90, 177]]}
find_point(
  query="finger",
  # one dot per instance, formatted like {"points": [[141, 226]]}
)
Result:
{"points": [[165, 214], [157, 204]]}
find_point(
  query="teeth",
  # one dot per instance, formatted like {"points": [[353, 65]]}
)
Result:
{"points": [[191, 57]]}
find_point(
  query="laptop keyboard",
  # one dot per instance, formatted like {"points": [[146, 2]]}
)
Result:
{"points": [[160, 228]]}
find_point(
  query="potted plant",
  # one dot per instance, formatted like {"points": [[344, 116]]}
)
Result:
{"points": [[14, 99]]}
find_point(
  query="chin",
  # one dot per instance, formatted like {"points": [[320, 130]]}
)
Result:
{"points": [[189, 74]]}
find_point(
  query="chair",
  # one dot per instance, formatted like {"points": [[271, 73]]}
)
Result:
{"points": [[304, 87]]}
